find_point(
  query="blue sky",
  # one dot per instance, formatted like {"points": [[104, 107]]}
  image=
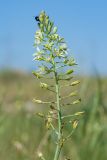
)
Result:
{"points": [[82, 23]]}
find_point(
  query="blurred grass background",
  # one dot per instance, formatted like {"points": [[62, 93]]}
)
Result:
{"points": [[22, 132]]}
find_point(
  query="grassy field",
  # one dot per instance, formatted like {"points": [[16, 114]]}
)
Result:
{"points": [[22, 133]]}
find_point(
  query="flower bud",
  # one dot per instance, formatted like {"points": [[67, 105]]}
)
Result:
{"points": [[46, 21], [63, 47], [36, 74], [48, 46], [75, 83], [75, 124], [69, 71], [37, 101], [79, 113], [61, 40], [77, 101], [43, 85], [40, 114], [41, 27], [42, 16], [48, 122], [55, 30], [73, 94]]}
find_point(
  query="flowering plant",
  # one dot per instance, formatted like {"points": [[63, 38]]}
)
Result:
{"points": [[52, 55]]}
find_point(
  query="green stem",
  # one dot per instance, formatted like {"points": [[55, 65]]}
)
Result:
{"points": [[69, 136], [58, 147]]}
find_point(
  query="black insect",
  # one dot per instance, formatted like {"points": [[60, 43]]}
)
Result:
{"points": [[37, 19]]}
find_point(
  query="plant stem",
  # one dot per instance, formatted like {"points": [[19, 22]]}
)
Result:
{"points": [[58, 147]]}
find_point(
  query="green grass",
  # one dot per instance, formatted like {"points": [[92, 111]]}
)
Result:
{"points": [[21, 132]]}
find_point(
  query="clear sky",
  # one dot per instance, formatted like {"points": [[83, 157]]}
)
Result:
{"points": [[83, 24]]}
